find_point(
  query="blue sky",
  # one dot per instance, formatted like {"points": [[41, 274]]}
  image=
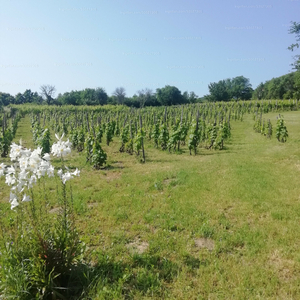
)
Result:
{"points": [[138, 43]]}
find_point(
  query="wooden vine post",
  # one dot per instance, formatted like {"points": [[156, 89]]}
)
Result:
{"points": [[142, 139]]}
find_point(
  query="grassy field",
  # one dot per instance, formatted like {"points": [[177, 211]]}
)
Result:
{"points": [[218, 225]]}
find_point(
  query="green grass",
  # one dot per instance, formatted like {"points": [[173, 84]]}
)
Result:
{"points": [[244, 201]]}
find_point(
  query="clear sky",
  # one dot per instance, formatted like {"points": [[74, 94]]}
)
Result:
{"points": [[142, 44]]}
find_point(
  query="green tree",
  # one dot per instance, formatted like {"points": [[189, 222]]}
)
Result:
{"points": [[120, 94], [169, 95], [6, 99], [259, 92], [240, 88], [219, 91], [192, 97], [295, 29], [19, 99], [101, 96]]}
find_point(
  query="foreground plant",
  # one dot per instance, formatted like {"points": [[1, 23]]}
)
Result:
{"points": [[281, 131], [42, 258]]}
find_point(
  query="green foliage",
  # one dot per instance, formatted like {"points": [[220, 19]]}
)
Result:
{"points": [[235, 88], [99, 134], [175, 137], [5, 142], [74, 138], [295, 29], [88, 145], [258, 124], [81, 140], [99, 156], [169, 95], [109, 132], [36, 131], [221, 136], [124, 137], [269, 129], [281, 130], [184, 129], [163, 136], [212, 133], [44, 141], [283, 87], [194, 137], [138, 141], [155, 134], [219, 91]]}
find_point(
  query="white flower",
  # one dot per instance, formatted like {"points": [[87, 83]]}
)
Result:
{"points": [[65, 177], [39, 173], [26, 198], [13, 200], [14, 204], [2, 168], [76, 172], [23, 175], [20, 186], [60, 173], [26, 152], [33, 165], [37, 153], [31, 181], [10, 179], [12, 197], [15, 151], [10, 170], [59, 138], [44, 164], [50, 171], [23, 162], [68, 144], [46, 156], [61, 148]]}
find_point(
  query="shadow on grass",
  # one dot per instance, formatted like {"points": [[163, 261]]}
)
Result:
{"points": [[206, 152], [142, 274], [110, 167], [192, 262], [108, 278]]}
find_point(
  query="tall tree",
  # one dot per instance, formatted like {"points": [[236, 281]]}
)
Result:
{"points": [[169, 95], [240, 88], [19, 99], [259, 92], [47, 92], [219, 91], [192, 97], [144, 96], [295, 29], [236, 88], [6, 99], [120, 94], [101, 96]]}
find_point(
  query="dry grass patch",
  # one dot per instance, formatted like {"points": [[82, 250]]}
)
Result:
{"points": [[285, 268], [205, 243], [54, 210], [138, 246]]}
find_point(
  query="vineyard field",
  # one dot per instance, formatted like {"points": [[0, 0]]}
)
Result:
{"points": [[216, 223]]}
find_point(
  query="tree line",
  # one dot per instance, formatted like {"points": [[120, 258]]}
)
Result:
{"points": [[168, 95]]}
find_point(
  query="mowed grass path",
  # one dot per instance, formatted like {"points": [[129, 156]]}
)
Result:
{"points": [[228, 220]]}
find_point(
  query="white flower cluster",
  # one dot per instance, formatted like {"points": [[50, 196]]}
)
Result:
{"points": [[28, 166], [61, 148], [68, 175]]}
